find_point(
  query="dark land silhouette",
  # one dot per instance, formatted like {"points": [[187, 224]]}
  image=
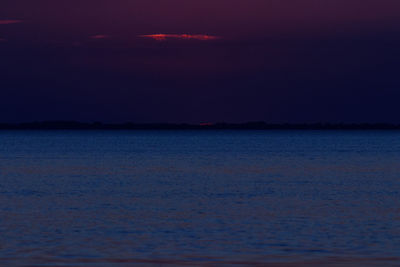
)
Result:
{"points": [[75, 125]]}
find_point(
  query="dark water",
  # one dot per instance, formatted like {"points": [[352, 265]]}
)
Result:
{"points": [[71, 198]]}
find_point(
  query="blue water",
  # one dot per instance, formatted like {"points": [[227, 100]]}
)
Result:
{"points": [[124, 198]]}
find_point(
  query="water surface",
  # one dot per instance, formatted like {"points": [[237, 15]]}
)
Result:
{"points": [[123, 198]]}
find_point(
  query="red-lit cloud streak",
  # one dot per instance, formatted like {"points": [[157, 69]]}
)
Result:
{"points": [[164, 37], [100, 36], [9, 21]]}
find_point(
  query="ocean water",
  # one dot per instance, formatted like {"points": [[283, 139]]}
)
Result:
{"points": [[199, 198]]}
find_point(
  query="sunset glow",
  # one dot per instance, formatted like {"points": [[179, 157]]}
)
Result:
{"points": [[163, 36]]}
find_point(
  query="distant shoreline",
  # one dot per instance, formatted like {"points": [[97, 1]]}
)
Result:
{"points": [[73, 125]]}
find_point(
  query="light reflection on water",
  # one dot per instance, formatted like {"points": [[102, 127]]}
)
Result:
{"points": [[184, 198]]}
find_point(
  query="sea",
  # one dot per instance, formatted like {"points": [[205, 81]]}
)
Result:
{"points": [[199, 198]]}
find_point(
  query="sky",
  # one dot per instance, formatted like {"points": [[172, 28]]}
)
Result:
{"points": [[279, 61]]}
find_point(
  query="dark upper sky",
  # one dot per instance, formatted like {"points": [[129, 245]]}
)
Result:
{"points": [[200, 60]]}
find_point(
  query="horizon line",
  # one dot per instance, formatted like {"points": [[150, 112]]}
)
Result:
{"points": [[255, 125]]}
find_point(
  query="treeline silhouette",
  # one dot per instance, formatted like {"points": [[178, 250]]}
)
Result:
{"points": [[74, 125]]}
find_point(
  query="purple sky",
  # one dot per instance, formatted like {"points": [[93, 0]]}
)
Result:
{"points": [[197, 61]]}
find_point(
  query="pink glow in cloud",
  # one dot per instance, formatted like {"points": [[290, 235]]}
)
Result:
{"points": [[2, 40], [9, 21], [100, 36], [163, 36]]}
